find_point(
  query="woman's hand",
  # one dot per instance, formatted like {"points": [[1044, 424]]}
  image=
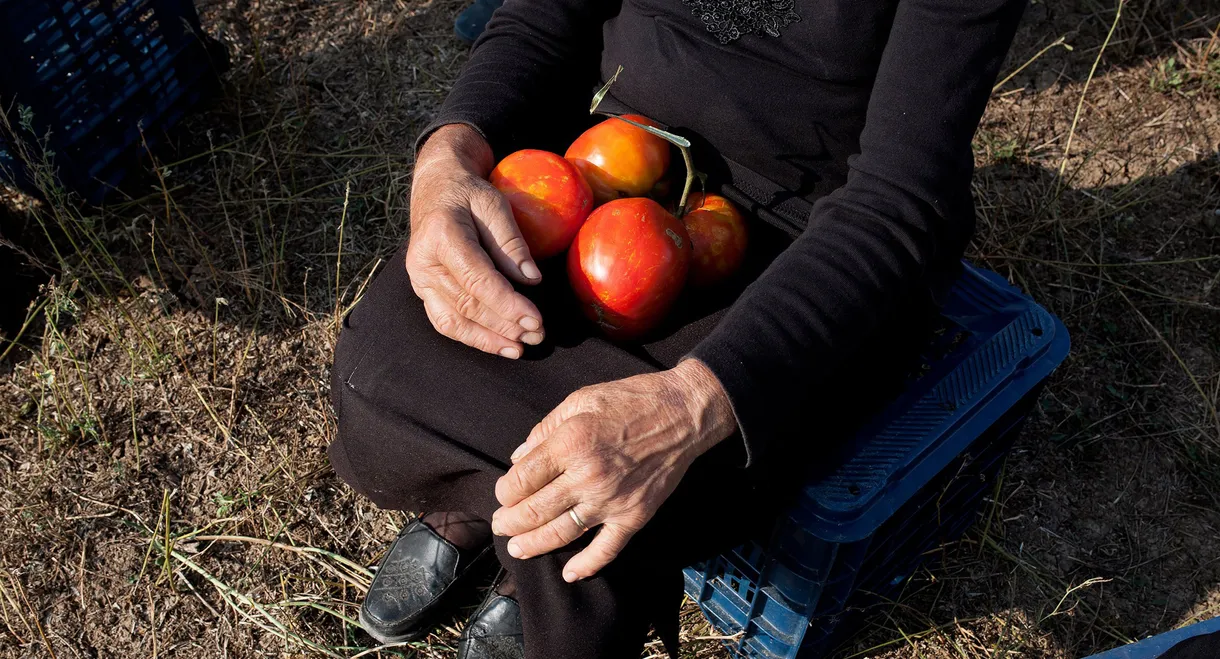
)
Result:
{"points": [[463, 242], [613, 453]]}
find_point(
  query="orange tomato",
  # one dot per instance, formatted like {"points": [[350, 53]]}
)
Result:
{"points": [[549, 197], [628, 264], [718, 236], [620, 160]]}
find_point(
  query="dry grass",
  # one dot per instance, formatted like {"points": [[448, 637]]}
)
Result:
{"points": [[163, 403]]}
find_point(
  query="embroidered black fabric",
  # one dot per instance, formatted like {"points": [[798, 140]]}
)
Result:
{"points": [[728, 20]]}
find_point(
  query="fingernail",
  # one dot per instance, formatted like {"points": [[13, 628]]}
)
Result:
{"points": [[569, 577], [530, 270], [521, 450], [514, 549], [532, 338], [530, 324], [510, 352]]}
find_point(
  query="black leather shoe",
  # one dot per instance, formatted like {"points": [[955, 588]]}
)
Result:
{"points": [[414, 582], [494, 631]]}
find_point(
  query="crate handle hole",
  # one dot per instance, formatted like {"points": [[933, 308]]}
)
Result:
{"points": [[853, 490], [1037, 331]]}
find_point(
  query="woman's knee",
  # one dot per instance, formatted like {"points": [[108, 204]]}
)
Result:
{"points": [[364, 328], [348, 350]]}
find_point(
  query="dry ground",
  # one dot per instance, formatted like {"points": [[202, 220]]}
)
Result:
{"points": [[171, 383]]}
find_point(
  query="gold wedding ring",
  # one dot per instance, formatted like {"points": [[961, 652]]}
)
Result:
{"points": [[580, 523]]}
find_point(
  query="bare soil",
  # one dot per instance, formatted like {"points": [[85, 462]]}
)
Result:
{"points": [[171, 384]]}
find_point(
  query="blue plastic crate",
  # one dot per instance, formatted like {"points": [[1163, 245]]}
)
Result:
{"points": [[911, 479], [94, 75], [1151, 648]]}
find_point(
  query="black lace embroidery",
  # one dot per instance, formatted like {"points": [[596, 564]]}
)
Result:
{"points": [[729, 19]]}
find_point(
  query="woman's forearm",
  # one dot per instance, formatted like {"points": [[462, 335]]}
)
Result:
{"points": [[707, 403], [457, 142]]}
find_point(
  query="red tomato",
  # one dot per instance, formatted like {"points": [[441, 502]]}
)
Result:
{"points": [[628, 264], [620, 160], [550, 199], [718, 236]]}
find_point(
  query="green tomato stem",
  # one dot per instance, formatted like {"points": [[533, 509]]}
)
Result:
{"points": [[690, 180], [682, 143]]}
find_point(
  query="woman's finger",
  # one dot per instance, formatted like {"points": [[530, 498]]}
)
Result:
{"points": [[536, 510], [498, 232], [474, 271], [543, 465], [555, 534], [567, 409], [470, 307], [605, 547], [454, 325]]}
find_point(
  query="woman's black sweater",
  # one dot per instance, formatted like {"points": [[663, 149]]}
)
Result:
{"points": [[866, 108]]}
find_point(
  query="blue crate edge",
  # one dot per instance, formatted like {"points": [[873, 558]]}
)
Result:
{"points": [[1150, 648], [858, 520]]}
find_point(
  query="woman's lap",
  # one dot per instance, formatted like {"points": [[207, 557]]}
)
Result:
{"points": [[427, 424]]}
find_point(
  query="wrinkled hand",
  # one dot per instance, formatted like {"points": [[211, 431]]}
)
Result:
{"points": [[614, 453], [464, 242]]}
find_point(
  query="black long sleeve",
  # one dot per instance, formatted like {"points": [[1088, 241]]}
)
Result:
{"points": [[866, 107], [529, 78], [906, 208]]}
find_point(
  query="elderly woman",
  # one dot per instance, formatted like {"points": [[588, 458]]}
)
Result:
{"points": [[467, 385]]}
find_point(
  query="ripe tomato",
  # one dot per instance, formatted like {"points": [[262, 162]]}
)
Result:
{"points": [[550, 199], [719, 238], [620, 160], [628, 264]]}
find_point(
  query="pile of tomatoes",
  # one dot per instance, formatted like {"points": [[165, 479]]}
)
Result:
{"points": [[628, 257]]}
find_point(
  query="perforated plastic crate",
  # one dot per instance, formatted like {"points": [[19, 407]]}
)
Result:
{"points": [[95, 74], [1151, 648], [911, 479]]}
